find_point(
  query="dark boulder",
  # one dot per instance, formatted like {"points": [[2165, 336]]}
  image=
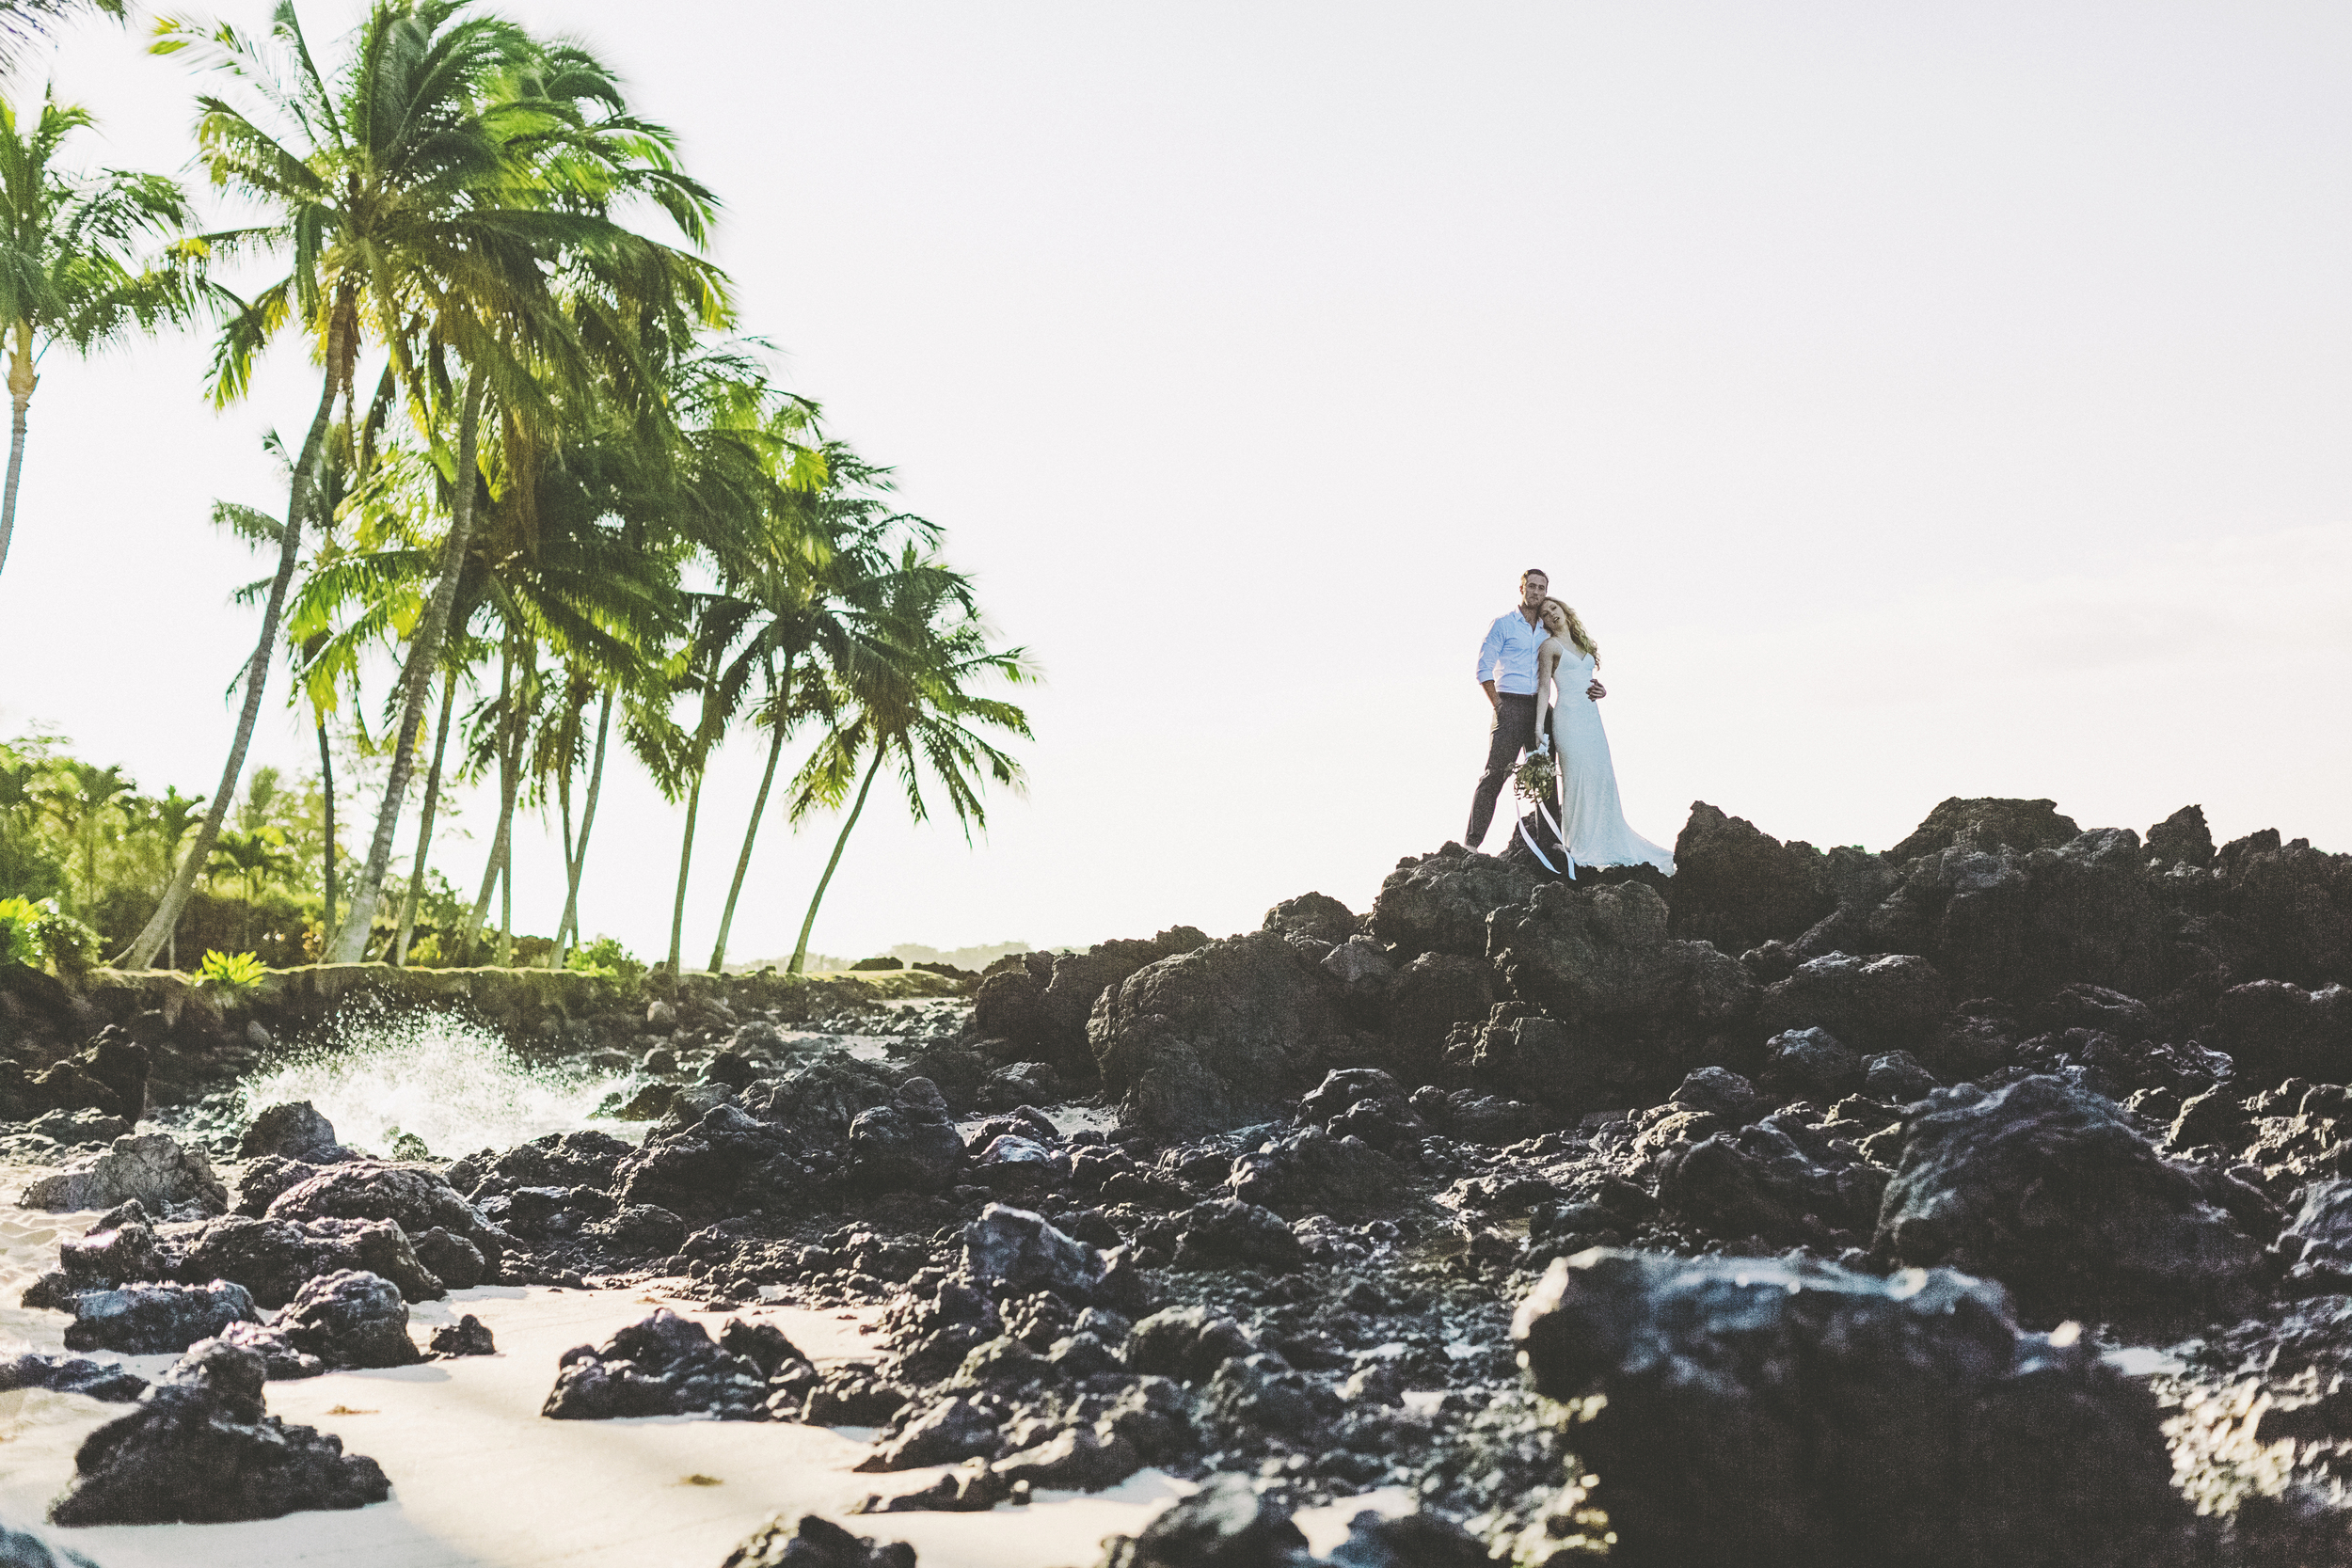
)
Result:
{"points": [[1227, 1034], [1988, 822], [638, 1230], [119, 1248], [200, 1448], [1809, 1064], [1012, 1252], [1736, 887], [1227, 1524], [2182, 838], [1631, 1009], [414, 1197], [1426, 999], [293, 1131], [2020, 925], [947, 1432], [908, 1146], [1897, 1078], [1778, 1180], [455, 1262], [1872, 1004], [70, 1374], [148, 1167], [350, 1318], [1719, 1092], [664, 1365], [1440, 903], [2048, 1189], [1315, 916], [468, 1336], [157, 1319], [2274, 1030], [273, 1259], [1408, 1541], [2286, 914], [814, 1542], [1764, 1412], [1226, 1231], [1311, 1172]]}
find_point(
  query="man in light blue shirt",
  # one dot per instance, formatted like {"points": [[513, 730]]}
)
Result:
{"points": [[1506, 671]]}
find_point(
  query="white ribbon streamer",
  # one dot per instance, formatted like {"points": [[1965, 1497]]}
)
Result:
{"points": [[1545, 811]]}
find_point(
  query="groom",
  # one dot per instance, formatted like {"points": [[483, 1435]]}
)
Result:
{"points": [[1507, 672]]}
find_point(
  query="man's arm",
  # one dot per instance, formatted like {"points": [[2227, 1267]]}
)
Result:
{"points": [[1597, 692], [1488, 651], [1489, 688]]}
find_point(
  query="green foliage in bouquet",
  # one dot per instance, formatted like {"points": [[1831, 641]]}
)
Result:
{"points": [[232, 975], [1537, 777]]}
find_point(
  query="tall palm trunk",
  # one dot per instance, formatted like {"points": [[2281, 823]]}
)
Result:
{"points": [[506, 914], [423, 655], [743, 860], [501, 839], [424, 831], [20, 384], [577, 860], [300, 500], [685, 859], [800, 954], [326, 781]]}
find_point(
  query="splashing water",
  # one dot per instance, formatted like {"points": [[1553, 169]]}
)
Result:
{"points": [[456, 1084]]}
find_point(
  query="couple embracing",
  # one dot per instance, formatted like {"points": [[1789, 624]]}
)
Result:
{"points": [[1537, 667]]}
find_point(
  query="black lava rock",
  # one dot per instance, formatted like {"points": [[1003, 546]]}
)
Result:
{"points": [[200, 1448], [157, 1319], [350, 1318], [1768, 1411], [663, 1366]]}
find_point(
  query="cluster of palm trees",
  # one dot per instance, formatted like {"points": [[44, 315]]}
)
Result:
{"points": [[543, 488]]}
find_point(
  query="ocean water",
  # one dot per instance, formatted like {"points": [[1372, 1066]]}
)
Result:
{"points": [[454, 1083]]}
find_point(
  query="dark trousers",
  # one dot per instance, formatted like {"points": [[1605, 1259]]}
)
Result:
{"points": [[1514, 733]]}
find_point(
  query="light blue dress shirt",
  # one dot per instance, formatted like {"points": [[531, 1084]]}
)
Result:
{"points": [[1507, 658]]}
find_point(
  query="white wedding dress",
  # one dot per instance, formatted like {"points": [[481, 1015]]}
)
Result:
{"points": [[1592, 819]]}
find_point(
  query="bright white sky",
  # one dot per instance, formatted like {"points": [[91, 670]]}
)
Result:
{"points": [[1915, 401]]}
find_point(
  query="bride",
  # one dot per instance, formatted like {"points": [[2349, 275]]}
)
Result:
{"points": [[1592, 820]]}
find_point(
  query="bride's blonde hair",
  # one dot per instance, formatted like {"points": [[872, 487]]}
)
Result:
{"points": [[1577, 634]]}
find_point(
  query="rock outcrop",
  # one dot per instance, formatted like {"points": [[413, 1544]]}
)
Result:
{"points": [[1766, 1412], [1227, 1034], [200, 1448], [2049, 1188]]}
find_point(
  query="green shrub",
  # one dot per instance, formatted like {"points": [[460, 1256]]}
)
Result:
{"points": [[606, 959], [72, 946], [864, 964], [19, 932], [40, 934], [232, 974]]}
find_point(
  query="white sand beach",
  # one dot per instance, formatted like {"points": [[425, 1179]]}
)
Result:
{"points": [[480, 1479]]}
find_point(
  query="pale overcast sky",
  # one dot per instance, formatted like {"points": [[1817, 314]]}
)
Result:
{"points": [[1915, 401]]}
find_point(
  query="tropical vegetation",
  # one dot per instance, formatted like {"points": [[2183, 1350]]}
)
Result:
{"points": [[552, 509]]}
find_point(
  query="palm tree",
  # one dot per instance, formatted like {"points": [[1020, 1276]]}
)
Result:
{"points": [[67, 271], [256, 855], [78, 795], [553, 298], [164, 820], [833, 557], [366, 176], [23, 21], [906, 685]]}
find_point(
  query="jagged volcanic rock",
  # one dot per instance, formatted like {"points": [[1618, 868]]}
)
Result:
{"points": [[200, 1448], [1765, 1412]]}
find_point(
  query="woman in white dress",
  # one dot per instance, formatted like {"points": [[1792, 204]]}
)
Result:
{"points": [[1592, 819]]}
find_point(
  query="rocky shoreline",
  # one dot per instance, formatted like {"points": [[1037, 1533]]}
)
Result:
{"points": [[1978, 1201]]}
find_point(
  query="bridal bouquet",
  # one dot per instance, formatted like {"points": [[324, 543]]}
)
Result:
{"points": [[1537, 777]]}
